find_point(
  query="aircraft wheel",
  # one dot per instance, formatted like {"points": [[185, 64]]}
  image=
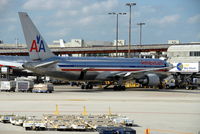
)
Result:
{"points": [[87, 86], [90, 86], [83, 86], [187, 87], [123, 88], [167, 87], [117, 88], [120, 88]]}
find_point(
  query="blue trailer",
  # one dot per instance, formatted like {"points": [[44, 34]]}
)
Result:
{"points": [[115, 130]]}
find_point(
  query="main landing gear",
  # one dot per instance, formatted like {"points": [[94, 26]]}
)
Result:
{"points": [[87, 86], [119, 88]]}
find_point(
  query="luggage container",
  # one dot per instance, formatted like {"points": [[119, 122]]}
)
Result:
{"points": [[34, 124], [4, 70], [17, 120], [61, 125], [39, 125], [124, 121], [28, 124], [43, 88], [78, 125], [24, 86], [8, 86]]}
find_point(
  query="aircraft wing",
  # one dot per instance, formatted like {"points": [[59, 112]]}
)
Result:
{"points": [[139, 74], [11, 64]]}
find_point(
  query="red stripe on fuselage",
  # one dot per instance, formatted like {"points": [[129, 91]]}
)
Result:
{"points": [[6, 65]]}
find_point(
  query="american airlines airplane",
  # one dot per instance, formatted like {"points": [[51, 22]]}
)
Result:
{"points": [[90, 70]]}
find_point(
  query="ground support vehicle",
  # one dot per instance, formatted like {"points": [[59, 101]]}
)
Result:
{"points": [[184, 75], [24, 86], [187, 81], [43, 88], [7, 86]]}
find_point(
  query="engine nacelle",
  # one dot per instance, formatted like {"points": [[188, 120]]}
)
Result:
{"points": [[151, 80]]}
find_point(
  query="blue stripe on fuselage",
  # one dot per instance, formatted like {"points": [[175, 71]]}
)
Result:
{"points": [[122, 66]]}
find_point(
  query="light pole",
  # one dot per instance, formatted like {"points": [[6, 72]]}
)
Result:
{"points": [[140, 25], [16, 42], [117, 25], [129, 33]]}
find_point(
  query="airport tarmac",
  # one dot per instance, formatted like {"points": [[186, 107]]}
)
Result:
{"points": [[174, 110]]}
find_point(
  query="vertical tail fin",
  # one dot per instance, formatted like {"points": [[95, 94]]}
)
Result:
{"points": [[37, 47]]}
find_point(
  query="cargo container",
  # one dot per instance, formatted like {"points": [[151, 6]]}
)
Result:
{"points": [[8, 86], [6, 118], [34, 124], [17, 120], [43, 88], [4, 70], [185, 59], [24, 86], [123, 121], [184, 75]]}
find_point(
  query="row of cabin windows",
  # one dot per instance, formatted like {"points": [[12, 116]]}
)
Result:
{"points": [[195, 53]]}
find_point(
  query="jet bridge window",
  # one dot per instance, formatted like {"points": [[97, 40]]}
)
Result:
{"points": [[195, 53]]}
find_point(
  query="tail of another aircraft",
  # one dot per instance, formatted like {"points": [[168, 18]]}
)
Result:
{"points": [[37, 47]]}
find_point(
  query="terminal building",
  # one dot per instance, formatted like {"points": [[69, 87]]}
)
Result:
{"points": [[184, 53], [83, 48]]}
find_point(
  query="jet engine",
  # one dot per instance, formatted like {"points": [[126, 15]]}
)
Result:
{"points": [[150, 80]]}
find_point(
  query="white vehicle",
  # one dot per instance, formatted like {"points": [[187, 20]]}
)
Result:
{"points": [[8, 86], [28, 124]]}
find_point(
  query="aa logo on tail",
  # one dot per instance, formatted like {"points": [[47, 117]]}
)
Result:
{"points": [[38, 42]]}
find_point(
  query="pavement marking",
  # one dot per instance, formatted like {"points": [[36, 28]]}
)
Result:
{"points": [[112, 100], [76, 100], [117, 112], [170, 131]]}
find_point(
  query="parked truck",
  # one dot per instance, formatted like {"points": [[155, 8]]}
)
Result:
{"points": [[185, 75]]}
